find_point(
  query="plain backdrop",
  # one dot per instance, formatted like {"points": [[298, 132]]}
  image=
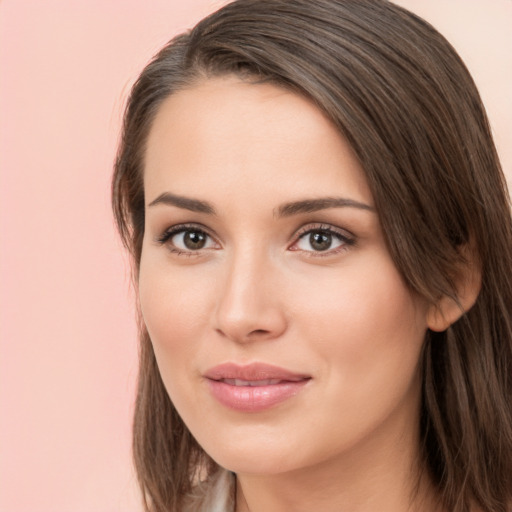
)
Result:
{"points": [[68, 342]]}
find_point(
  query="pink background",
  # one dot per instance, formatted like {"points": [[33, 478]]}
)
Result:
{"points": [[68, 343]]}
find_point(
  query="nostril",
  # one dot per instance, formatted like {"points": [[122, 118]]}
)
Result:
{"points": [[253, 335], [258, 332]]}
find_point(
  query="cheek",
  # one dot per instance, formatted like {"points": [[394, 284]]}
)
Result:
{"points": [[364, 332], [175, 308], [365, 324]]}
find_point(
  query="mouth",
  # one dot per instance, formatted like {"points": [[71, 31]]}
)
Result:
{"points": [[253, 373], [255, 387], [251, 383]]}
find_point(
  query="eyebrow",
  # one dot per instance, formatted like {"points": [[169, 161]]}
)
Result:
{"points": [[285, 210], [187, 203], [323, 203]]}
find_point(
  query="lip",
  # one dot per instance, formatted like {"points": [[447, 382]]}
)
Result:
{"points": [[254, 387]]}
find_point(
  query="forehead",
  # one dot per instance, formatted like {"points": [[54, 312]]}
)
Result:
{"points": [[225, 135]]}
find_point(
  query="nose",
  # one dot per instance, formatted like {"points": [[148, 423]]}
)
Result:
{"points": [[250, 308]]}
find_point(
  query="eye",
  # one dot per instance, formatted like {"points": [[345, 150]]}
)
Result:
{"points": [[183, 239], [323, 239], [190, 240]]}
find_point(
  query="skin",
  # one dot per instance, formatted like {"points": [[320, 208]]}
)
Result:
{"points": [[259, 291]]}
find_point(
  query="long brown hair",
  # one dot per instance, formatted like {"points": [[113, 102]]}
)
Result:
{"points": [[401, 96]]}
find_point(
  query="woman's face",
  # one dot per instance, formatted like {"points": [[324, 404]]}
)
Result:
{"points": [[284, 334]]}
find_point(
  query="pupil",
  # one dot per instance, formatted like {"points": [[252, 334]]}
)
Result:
{"points": [[320, 241], [194, 240]]}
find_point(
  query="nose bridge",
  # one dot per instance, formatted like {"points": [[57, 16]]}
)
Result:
{"points": [[248, 306]]}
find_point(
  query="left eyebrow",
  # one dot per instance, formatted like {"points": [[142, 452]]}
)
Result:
{"points": [[315, 205]]}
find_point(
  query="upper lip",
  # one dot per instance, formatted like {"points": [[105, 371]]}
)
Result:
{"points": [[253, 372]]}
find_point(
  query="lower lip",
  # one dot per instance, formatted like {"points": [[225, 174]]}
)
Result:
{"points": [[254, 398]]}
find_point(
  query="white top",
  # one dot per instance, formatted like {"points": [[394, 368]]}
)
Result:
{"points": [[216, 495]]}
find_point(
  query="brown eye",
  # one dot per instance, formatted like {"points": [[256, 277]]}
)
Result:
{"points": [[187, 239], [194, 240], [320, 240]]}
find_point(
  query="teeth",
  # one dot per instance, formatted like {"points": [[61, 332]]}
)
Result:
{"points": [[253, 383]]}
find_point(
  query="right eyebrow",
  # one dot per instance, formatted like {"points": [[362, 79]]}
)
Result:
{"points": [[187, 203]]}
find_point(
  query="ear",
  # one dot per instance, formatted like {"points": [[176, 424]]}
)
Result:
{"points": [[447, 310]]}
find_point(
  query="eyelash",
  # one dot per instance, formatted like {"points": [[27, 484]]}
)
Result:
{"points": [[347, 239], [182, 228]]}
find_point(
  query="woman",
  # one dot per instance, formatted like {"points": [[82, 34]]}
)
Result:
{"points": [[321, 242]]}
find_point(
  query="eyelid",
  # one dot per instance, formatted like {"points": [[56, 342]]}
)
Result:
{"points": [[171, 231], [348, 238]]}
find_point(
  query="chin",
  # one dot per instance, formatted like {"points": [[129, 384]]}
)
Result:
{"points": [[256, 462], [255, 455]]}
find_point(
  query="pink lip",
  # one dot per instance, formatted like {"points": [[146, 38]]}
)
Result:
{"points": [[261, 394]]}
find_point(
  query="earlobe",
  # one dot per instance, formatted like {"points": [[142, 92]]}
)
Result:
{"points": [[447, 310], [444, 313]]}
